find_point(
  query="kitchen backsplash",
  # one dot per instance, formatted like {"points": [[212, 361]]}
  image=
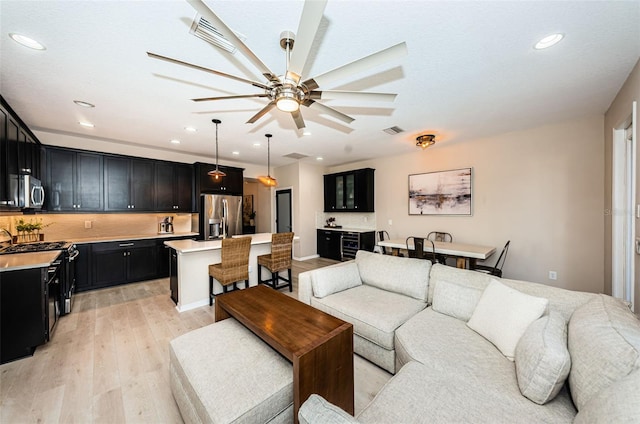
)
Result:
{"points": [[361, 221], [73, 226]]}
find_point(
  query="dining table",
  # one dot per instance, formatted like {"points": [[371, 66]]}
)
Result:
{"points": [[466, 254]]}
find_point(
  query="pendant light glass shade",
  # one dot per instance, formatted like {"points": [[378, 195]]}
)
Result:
{"points": [[216, 173], [268, 180]]}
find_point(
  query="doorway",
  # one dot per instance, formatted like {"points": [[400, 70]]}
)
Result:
{"points": [[284, 222], [625, 211]]}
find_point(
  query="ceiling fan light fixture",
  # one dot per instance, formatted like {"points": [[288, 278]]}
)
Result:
{"points": [[426, 140], [216, 173], [287, 104]]}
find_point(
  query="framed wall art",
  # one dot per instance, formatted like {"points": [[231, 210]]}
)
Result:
{"points": [[440, 193]]}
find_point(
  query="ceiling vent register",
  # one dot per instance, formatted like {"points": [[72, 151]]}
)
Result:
{"points": [[393, 130]]}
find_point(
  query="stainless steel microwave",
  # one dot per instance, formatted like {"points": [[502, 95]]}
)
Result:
{"points": [[30, 192]]}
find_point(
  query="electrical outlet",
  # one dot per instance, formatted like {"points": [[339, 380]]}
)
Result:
{"points": [[249, 268], [87, 224], [365, 219], [390, 222], [553, 275]]}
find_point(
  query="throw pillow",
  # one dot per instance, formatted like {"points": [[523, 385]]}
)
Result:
{"points": [[503, 315], [329, 280], [317, 410], [456, 300], [604, 343], [542, 358]]}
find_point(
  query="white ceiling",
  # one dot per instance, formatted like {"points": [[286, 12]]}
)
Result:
{"points": [[470, 72]]}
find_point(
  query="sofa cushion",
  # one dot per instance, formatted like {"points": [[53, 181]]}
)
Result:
{"points": [[542, 359], [421, 393], [604, 343], [456, 300], [316, 410], [503, 314], [326, 281], [362, 306], [617, 403], [406, 276]]}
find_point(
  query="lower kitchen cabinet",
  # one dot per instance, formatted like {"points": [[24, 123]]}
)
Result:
{"points": [[123, 262], [173, 275], [83, 267], [343, 245], [329, 244]]}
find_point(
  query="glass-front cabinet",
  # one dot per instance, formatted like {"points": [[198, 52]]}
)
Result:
{"points": [[351, 191]]}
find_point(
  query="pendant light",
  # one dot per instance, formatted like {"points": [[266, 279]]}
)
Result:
{"points": [[216, 173], [268, 181]]}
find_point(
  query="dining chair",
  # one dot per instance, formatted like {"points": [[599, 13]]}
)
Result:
{"points": [[497, 268], [278, 260], [233, 266], [441, 237], [418, 247], [382, 236]]}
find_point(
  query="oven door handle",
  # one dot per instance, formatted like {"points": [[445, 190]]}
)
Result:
{"points": [[74, 255]]}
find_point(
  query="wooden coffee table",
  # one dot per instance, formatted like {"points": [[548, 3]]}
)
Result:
{"points": [[319, 346]]}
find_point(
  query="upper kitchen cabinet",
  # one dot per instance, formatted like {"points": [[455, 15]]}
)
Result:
{"points": [[129, 184], [231, 184], [74, 180], [19, 154], [174, 187], [351, 191]]}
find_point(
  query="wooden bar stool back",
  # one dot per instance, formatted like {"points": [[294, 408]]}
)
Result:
{"points": [[278, 260], [233, 267]]}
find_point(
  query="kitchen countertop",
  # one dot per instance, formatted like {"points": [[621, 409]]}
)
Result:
{"points": [[130, 237], [17, 261], [188, 246], [347, 229]]}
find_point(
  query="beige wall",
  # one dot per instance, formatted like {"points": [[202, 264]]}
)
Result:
{"points": [[541, 188], [311, 200], [618, 113]]}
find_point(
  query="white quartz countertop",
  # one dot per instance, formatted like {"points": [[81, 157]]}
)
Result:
{"points": [[347, 229], [131, 237], [187, 246], [17, 261]]}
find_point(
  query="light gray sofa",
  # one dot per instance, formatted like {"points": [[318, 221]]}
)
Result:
{"points": [[578, 362]]}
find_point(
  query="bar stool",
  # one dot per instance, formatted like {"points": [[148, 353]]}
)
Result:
{"points": [[233, 267], [278, 260]]}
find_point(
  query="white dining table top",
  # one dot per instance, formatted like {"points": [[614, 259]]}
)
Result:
{"points": [[453, 249]]}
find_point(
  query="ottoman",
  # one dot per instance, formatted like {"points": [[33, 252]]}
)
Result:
{"points": [[223, 373]]}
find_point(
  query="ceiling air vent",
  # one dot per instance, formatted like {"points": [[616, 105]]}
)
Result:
{"points": [[393, 130], [296, 156], [201, 28]]}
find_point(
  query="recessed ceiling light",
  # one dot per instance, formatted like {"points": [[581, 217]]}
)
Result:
{"points": [[256, 144], [548, 41], [190, 129], [27, 42], [236, 153], [86, 124], [319, 158], [306, 132], [174, 141], [84, 104]]}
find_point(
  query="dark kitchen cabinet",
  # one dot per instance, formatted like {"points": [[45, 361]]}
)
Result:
{"points": [[128, 261], [74, 180], [351, 191], [19, 154], [329, 244], [173, 187], [128, 184], [232, 183], [83, 267], [173, 275]]}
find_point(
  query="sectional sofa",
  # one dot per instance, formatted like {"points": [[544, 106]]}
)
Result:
{"points": [[468, 347]]}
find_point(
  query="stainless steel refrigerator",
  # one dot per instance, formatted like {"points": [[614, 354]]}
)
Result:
{"points": [[220, 216]]}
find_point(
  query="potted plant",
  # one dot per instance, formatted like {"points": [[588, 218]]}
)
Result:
{"points": [[29, 231], [252, 218]]}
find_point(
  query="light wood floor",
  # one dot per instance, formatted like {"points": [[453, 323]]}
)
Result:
{"points": [[109, 360]]}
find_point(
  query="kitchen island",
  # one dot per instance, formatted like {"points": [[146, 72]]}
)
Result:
{"points": [[190, 262]]}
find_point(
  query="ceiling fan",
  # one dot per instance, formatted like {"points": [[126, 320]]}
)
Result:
{"points": [[290, 91]]}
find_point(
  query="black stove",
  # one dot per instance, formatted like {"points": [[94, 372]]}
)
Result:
{"points": [[36, 247]]}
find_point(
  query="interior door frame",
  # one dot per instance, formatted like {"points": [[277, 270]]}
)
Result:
{"points": [[625, 210], [284, 190]]}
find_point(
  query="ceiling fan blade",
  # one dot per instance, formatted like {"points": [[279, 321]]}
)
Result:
{"points": [[210, 16], [297, 117], [362, 64], [329, 111], [262, 112], [211, 71], [312, 13], [353, 95], [238, 96]]}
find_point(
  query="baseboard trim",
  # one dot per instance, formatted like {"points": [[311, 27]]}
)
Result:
{"points": [[306, 258], [193, 305]]}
